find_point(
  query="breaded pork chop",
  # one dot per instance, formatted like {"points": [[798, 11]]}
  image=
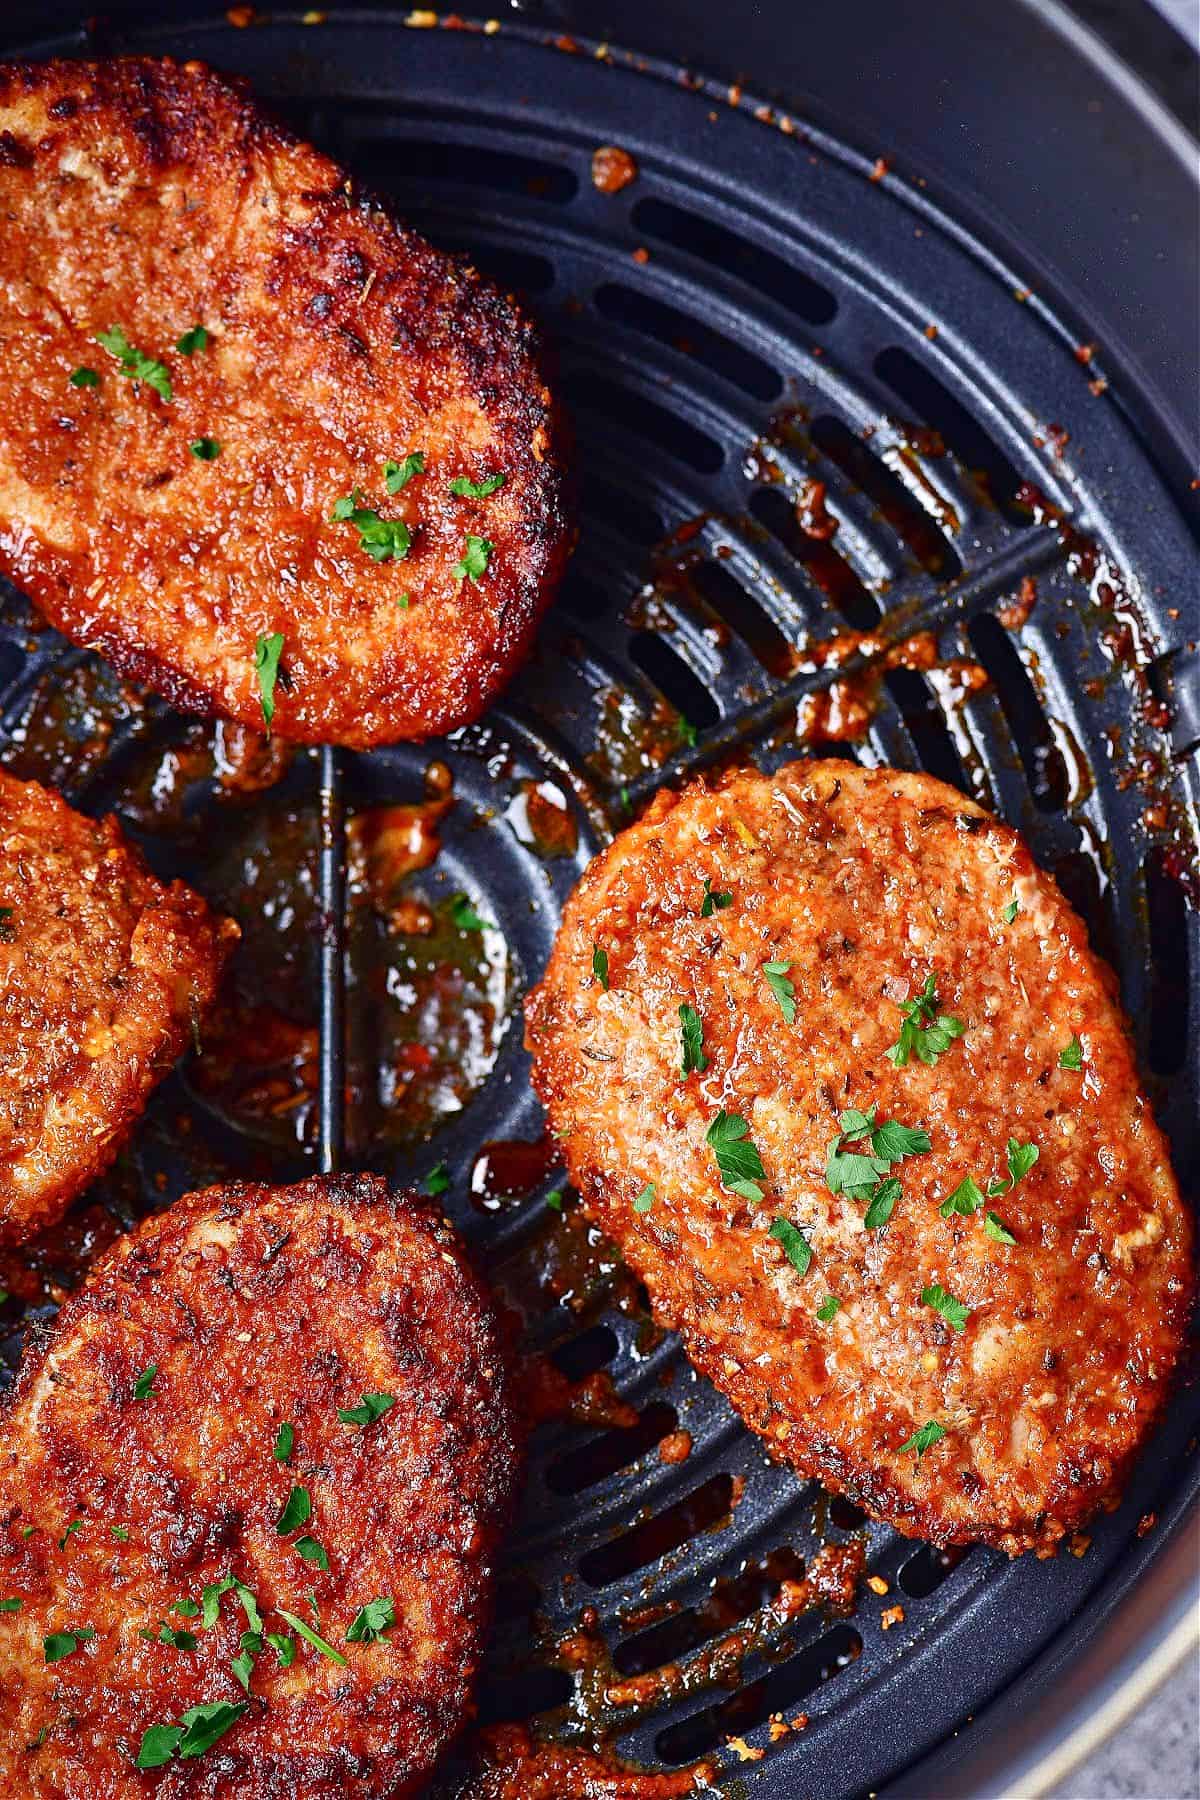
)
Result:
{"points": [[275, 1412], [239, 401], [105, 975], [909, 1208]]}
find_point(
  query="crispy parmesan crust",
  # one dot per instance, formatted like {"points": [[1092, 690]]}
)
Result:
{"points": [[155, 196], [257, 1306], [867, 882], [104, 976]]}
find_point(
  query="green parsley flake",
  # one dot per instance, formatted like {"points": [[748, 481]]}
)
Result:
{"points": [[1010, 911], [398, 474], [187, 1609], [205, 449], [369, 1408], [268, 648], [554, 1199], [713, 902], [211, 1600], [312, 1637], [438, 1179], [62, 1644], [193, 340], [297, 1510], [925, 1033], [645, 1200], [737, 1158], [119, 1532], [1021, 1158], [313, 1552], [995, 1227], [922, 1440], [600, 966], [283, 1646], [1072, 1056], [380, 538], [828, 1309], [857, 1173], [691, 1027], [243, 1663], [796, 1246], [952, 1310], [371, 1621], [11, 1606], [464, 916], [198, 1730], [685, 731], [782, 988], [143, 1387], [84, 378], [68, 1534], [177, 1639], [135, 365], [474, 561], [284, 1439], [883, 1204], [965, 1199], [476, 490]]}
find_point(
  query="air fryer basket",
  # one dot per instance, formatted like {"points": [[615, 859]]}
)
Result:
{"points": [[764, 308]]}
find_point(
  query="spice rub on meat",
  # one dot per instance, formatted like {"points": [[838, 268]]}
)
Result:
{"points": [[105, 974], [239, 402], [250, 1495], [834, 1064]]}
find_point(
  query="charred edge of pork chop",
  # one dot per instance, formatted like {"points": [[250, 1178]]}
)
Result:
{"points": [[185, 115]]}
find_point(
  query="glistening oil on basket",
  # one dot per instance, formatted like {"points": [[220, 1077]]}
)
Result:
{"points": [[839, 490]]}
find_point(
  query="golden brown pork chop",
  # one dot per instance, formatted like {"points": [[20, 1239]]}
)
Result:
{"points": [[104, 977], [909, 1208], [276, 1412], [274, 349]]}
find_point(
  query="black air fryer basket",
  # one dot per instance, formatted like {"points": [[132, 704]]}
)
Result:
{"points": [[927, 274]]}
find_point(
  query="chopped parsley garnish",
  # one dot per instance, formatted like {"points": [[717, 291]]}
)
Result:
{"points": [[243, 1663], [966, 1199], [268, 648], [1021, 1158], [438, 1179], [691, 1028], [211, 1600], [135, 365], [465, 917], [371, 1621], [69, 1533], [187, 1609], [313, 1552], [61, 1644], [782, 988], [206, 449], [474, 561], [1010, 911], [856, 1173], [796, 1246], [285, 1437], [925, 1033], [737, 1158], [178, 1639], [829, 1308], [297, 1510], [283, 1646], [198, 1729], [555, 1199], [143, 1387], [883, 1203], [398, 474], [924, 1439], [312, 1637], [369, 1408], [685, 731], [193, 340], [119, 1532], [13, 1605], [995, 1227], [476, 490], [713, 902], [1072, 1056], [380, 538], [952, 1310], [600, 966], [645, 1200], [82, 378]]}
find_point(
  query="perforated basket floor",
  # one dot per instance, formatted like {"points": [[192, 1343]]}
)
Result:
{"points": [[758, 311]]}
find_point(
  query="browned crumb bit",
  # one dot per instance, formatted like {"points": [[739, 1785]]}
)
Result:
{"points": [[1085, 352], [1079, 1544], [641, 255], [777, 1727], [800, 1722], [744, 1751], [612, 169], [877, 1584], [892, 1615], [882, 166], [1021, 294], [1146, 1523], [676, 1447], [241, 16], [422, 21], [1013, 614], [931, 332], [1099, 386]]}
